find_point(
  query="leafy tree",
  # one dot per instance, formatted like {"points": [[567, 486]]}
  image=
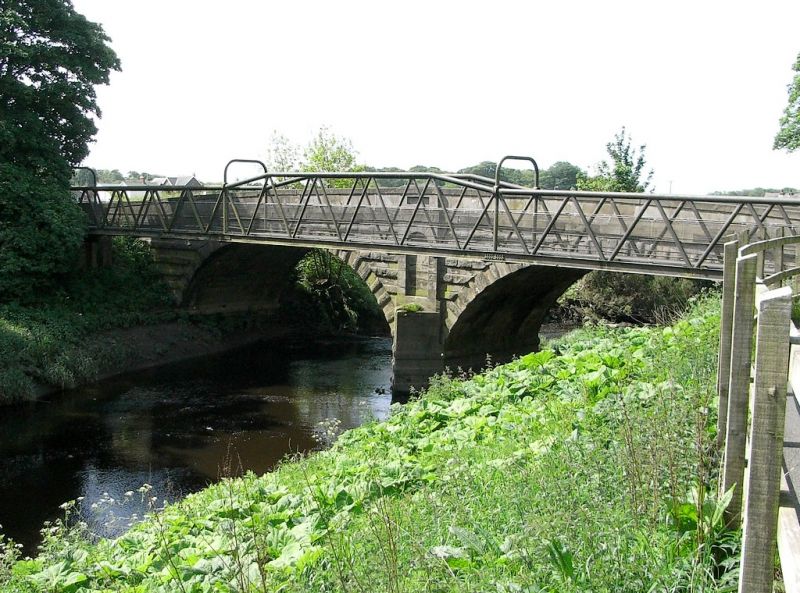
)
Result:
{"points": [[425, 169], [788, 136], [110, 176], [282, 155], [328, 152], [560, 175], [625, 173], [488, 168], [51, 58], [139, 176], [387, 182]]}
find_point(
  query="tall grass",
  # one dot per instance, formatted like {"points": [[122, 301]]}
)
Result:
{"points": [[584, 468]]}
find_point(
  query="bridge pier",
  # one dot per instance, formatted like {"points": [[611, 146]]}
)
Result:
{"points": [[96, 251], [416, 350]]}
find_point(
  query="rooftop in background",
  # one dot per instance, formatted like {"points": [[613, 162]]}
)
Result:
{"points": [[788, 196], [187, 181]]}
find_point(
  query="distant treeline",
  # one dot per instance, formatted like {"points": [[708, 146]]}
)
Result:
{"points": [[109, 176], [560, 175], [756, 192]]}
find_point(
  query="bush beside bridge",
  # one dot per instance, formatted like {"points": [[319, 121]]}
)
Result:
{"points": [[44, 339]]}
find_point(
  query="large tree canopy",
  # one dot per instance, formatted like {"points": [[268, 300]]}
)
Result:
{"points": [[50, 60], [788, 136]]}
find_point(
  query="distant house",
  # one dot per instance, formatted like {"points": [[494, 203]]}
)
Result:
{"points": [[782, 195], [190, 181]]}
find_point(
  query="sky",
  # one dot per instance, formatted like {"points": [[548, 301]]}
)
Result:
{"points": [[701, 83]]}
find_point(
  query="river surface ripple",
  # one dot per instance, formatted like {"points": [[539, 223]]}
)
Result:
{"points": [[179, 428]]}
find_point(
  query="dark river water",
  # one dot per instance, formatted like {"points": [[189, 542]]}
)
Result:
{"points": [[179, 428]]}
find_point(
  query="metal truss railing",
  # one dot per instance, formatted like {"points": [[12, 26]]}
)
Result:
{"points": [[449, 215]]}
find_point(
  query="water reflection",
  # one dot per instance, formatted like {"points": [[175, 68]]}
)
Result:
{"points": [[178, 428]]}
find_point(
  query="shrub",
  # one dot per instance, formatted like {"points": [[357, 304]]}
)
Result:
{"points": [[631, 297], [41, 229], [42, 340]]}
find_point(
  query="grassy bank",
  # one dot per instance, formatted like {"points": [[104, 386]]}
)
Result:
{"points": [[43, 341], [64, 338], [584, 468]]}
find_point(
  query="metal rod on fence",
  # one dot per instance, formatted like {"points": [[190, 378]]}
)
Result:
{"points": [[726, 330], [739, 385], [766, 443]]}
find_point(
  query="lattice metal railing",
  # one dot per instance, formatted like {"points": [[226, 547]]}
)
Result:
{"points": [[455, 215]]}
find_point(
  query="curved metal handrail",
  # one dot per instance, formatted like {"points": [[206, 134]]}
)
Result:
{"points": [[92, 171], [252, 161], [517, 158]]}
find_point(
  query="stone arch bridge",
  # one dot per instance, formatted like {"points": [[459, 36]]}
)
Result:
{"points": [[484, 260]]}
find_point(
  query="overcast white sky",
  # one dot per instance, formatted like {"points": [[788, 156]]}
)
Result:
{"points": [[450, 84]]}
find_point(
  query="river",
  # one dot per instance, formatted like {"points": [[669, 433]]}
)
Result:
{"points": [[179, 428]]}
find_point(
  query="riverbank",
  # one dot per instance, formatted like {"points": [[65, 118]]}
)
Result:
{"points": [[130, 349], [120, 318], [182, 426], [40, 359], [585, 467]]}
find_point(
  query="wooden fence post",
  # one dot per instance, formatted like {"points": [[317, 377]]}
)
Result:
{"points": [[761, 256], [726, 330], [777, 256], [766, 443], [739, 386]]}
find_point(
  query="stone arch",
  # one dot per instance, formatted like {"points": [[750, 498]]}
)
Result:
{"points": [[500, 310], [238, 277], [361, 263], [233, 277]]}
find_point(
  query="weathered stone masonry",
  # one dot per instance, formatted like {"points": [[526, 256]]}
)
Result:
{"points": [[470, 308]]}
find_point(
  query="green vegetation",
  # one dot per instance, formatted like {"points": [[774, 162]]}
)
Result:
{"points": [[625, 173], [50, 60], [43, 340], [560, 175], [411, 308], [334, 297], [112, 176], [788, 136], [329, 152], [636, 298], [584, 468]]}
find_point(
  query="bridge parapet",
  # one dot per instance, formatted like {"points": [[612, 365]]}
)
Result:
{"points": [[438, 215]]}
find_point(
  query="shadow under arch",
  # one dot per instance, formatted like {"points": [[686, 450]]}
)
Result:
{"points": [[247, 277], [503, 318]]}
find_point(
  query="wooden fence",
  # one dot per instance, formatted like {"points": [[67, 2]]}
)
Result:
{"points": [[753, 420]]}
